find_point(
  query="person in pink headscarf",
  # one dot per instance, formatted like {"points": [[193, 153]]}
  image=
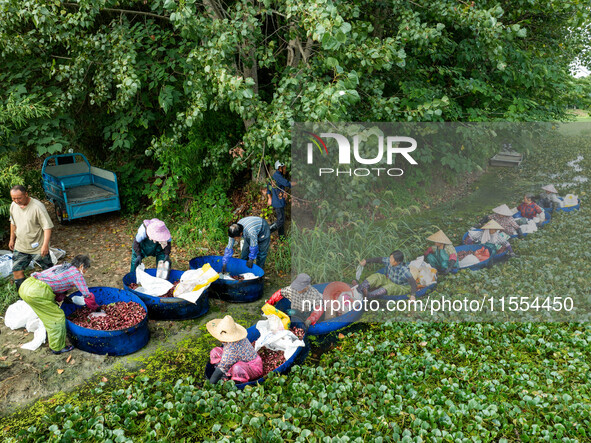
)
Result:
{"points": [[152, 240]]}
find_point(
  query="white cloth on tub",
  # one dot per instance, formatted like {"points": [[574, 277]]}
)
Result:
{"points": [[468, 260]]}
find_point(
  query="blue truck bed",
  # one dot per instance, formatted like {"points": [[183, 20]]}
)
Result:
{"points": [[78, 189]]}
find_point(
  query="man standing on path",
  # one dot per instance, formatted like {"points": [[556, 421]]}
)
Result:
{"points": [[30, 232], [278, 194]]}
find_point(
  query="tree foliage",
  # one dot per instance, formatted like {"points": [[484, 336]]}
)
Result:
{"points": [[141, 77]]}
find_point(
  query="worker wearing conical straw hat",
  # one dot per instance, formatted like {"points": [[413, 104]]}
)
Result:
{"points": [[492, 235], [550, 198], [236, 358], [504, 216], [442, 255]]}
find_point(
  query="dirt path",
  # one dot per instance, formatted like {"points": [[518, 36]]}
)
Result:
{"points": [[26, 376]]}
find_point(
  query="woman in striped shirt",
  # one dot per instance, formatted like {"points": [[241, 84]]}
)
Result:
{"points": [[42, 291]]}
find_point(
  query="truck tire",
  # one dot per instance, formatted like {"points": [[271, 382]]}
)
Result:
{"points": [[59, 214]]}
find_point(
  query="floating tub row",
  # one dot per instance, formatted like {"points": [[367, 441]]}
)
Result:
{"points": [[132, 339]]}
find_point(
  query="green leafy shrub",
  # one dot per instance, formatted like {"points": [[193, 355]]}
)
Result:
{"points": [[279, 257], [11, 174], [207, 220], [133, 181]]}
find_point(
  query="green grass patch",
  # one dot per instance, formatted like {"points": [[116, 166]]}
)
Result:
{"points": [[8, 293]]}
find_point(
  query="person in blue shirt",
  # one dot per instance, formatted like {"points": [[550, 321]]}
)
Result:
{"points": [[257, 238], [278, 194]]}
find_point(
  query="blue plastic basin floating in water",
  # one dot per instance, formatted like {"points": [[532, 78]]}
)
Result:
{"points": [[545, 222], [334, 324], [122, 342], [169, 308], [465, 237], [325, 327], [496, 257], [253, 334], [474, 248], [570, 208], [233, 291]]}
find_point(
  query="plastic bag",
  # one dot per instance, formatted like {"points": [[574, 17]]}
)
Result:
{"points": [[422, 271], [272, 310], [277, 340], [54, 253], [39, 334], [272, 324], [18, 314], [468, 260], [156, 287], [5, 264], [194, 282], [482, 254], [570, 200], [163, 269]]}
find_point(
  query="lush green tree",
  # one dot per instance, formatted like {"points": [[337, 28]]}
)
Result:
{"points": [[147, 78]]}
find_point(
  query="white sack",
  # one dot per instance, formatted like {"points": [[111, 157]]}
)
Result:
{"points": [[154, 286], [18, 314], [277, 339], [39, 334]]}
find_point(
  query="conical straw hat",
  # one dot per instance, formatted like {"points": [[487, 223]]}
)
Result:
{"points": [[226, 329], [492, 225], [550, 188], [439, 237], [503, 210]]}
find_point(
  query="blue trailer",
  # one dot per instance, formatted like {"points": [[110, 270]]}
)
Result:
{"points": [[77, 189]]}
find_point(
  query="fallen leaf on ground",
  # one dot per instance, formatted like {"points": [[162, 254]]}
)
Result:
{"points": [[69, 358], [60, 371], [4, 358], [104, 379], [341, 336], [423, 343], [142, 370], [72, 362]]}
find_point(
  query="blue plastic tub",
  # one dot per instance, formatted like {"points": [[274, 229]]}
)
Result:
{"points": [[122, 342], [253, 334], [334, 324], [325, 327], [570, 208], [545, 222], [496, 257], [475, 266], [466, 235], [169, 308], [233, 291]]}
